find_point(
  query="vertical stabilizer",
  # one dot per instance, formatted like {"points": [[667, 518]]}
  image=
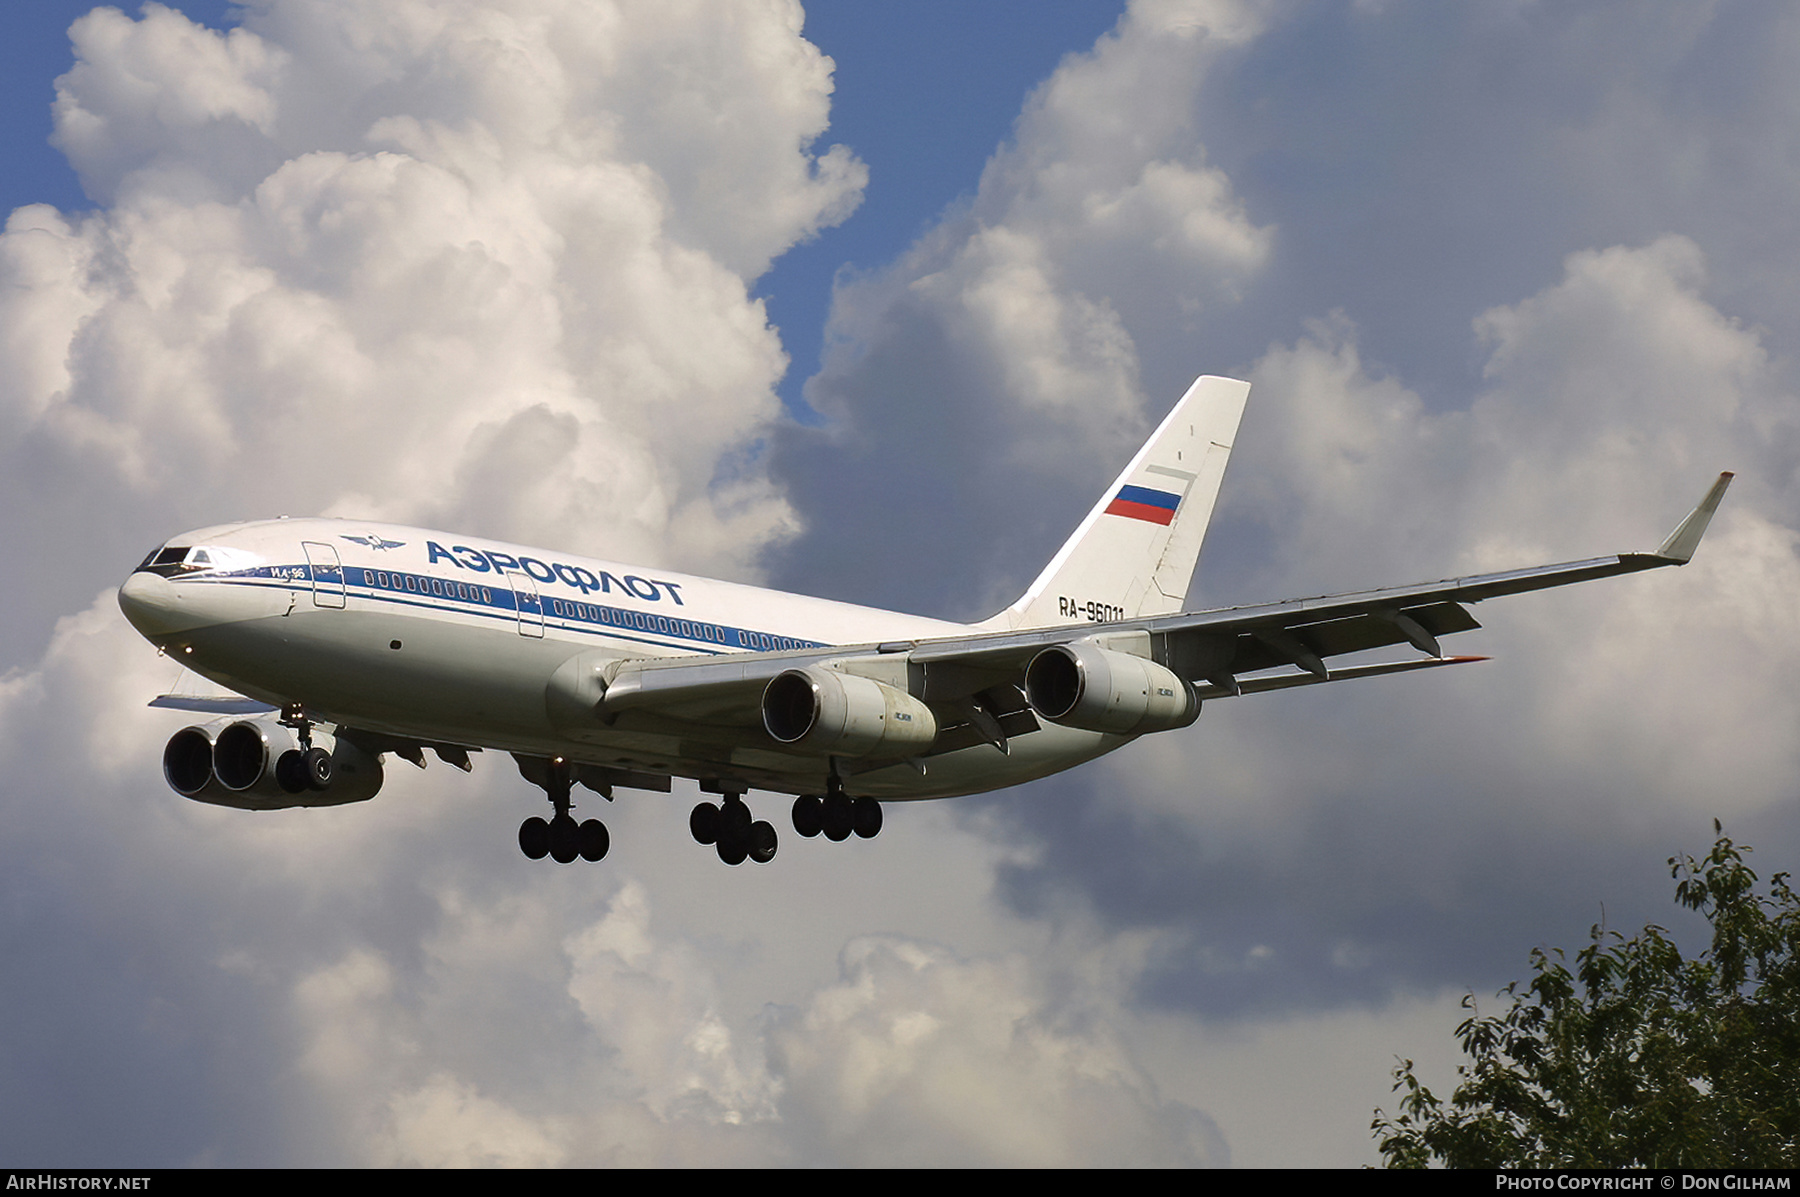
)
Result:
{"points": [[1135, 552]]}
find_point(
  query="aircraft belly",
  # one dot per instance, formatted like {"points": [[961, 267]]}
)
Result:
{"points": [[965, 771], [446, 680]]}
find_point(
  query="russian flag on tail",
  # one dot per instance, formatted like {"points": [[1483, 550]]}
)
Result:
{"points": [[1142, 503]]}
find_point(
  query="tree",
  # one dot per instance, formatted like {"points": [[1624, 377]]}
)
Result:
{"points": [[1636, 1057]]}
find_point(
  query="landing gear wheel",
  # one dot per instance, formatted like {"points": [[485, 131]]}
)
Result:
{"points": [[734, 820], [762, 842], [317, 769], [565, 839], [534, 838], [733, 849], [809, 815], [592, 841], [703, 823], [838, 817], [865, 817]]}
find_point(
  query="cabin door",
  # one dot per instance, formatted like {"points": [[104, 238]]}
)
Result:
{"points": [[327, 573], [530, 603]]}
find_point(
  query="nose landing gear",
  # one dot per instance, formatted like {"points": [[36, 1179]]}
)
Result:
{"points": [[307, 767]]}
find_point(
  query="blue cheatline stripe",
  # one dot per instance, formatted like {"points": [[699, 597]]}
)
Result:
{"points": [[618, 623], [1153, 498]]}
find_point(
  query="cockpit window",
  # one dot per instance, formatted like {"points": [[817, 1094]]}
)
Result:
{"points": [[174, 559], [167, 555], [166, 560]]}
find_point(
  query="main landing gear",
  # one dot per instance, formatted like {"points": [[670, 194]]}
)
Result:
{"points": [[837, 814], [562, 839], [727, 826], [730, 829]]}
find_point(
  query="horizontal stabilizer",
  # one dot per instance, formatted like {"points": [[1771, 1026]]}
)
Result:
{"points": [[204, 705]]}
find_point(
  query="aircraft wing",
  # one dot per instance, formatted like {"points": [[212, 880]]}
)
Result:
{"points": [[1218, 645], [976, 678], [1304, 632]]}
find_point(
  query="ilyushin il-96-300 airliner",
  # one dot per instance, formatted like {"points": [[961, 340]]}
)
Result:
{"points": [[343, 642]]}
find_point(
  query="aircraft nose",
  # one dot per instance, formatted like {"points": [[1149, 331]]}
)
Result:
{"points": [[152, 604]]}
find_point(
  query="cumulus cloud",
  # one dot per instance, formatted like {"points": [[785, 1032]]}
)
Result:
{"points": [[1000, 353], [1609, 400], [1355, 843], [915, 1055], [449, 263], [1617, 714], [487, 265], [447, 1124], [912, 1055], [658, 1006], [453, 263]]}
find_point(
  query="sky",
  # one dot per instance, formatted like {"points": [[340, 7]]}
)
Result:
{"points": [[870, 302]]}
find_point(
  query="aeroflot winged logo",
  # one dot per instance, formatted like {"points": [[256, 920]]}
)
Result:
{"points": [[1142, 503], [375, 542]]}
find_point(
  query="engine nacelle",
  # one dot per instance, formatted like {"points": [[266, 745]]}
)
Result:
{"points": [[188, 764], [839, 714], [257, 764], [1096, 689]]}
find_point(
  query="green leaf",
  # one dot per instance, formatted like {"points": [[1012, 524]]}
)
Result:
{"points": [[1638, 1058]]}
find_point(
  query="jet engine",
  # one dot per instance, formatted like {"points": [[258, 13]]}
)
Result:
{"points": [[839, 714], [1096, 689], [258, 764]]}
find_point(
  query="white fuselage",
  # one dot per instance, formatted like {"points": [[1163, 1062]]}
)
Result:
{"points": [[454, 639]]}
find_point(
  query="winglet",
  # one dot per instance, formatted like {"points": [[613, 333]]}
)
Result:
{"points": [[1682, 542]]}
